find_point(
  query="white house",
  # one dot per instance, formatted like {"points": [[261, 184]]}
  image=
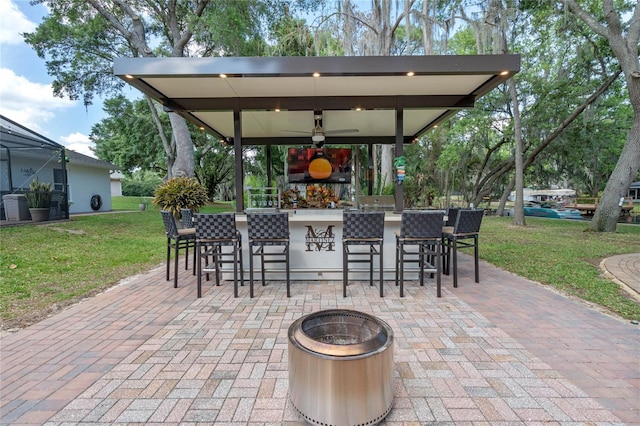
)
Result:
{"points": [[116, 183], [88, 179], [80, 183], [634, 191]]}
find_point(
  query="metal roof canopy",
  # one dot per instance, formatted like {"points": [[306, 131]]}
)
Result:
{"points": [[16, 136], [277, 96], [273, 100]]}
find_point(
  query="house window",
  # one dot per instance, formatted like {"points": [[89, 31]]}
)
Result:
{"points": [[58, 180]]}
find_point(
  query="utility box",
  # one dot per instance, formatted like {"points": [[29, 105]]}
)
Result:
{"points": [[16, 207]]}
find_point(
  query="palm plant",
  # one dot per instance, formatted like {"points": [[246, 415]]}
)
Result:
{"points": [[39, 195]]}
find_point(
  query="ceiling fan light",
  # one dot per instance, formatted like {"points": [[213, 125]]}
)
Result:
{"points": [[317, 138]]}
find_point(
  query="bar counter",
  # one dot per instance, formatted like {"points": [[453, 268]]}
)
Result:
{"points": [[316, 247]]}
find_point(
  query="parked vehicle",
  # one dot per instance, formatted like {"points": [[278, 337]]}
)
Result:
{"points": [[548, 209]]}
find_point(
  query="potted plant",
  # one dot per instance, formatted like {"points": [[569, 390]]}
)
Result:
{"points": [[143, 204], [39, 200], [180, 193]]}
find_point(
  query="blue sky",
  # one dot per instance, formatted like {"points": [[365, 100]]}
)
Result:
{"points": [[26, 96]]}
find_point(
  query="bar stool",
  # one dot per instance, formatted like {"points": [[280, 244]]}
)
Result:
{"points": [[362, 229], [466, 227], [268, 230], [451, 213], [214, 233], [177, 239], [187, 218], [420, 235]]}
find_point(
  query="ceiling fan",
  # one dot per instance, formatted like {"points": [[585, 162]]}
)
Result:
{"points": [[318, 133]]}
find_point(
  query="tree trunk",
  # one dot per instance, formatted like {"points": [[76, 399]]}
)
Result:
{"points": [[427, 31], [384, 30], [605, 218], [184, 164], [348, 28], [169, 147], [518, 211], [386, 166], [504, 198]]}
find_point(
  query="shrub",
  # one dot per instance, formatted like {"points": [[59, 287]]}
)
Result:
{"points": [[137, 188], [180, 193]]}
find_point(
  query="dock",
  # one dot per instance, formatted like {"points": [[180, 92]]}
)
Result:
{"points": [[589, 209]]}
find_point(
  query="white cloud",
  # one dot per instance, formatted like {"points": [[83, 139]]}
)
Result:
{"points": [[12, 23], [28, 103], [79, 143]]}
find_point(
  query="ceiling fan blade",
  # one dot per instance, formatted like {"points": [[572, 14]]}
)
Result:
{"points": [[296, 131], [340, 131]]}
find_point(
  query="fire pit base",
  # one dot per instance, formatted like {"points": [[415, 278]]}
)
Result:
{"points": [[341, 368]]}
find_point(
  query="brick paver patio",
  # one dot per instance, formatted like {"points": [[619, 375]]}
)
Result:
{"points": [[505, 351]]}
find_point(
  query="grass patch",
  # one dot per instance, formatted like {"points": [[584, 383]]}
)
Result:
{"points": [[44, 268]]}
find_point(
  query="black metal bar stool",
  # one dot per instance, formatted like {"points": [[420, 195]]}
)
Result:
{"points": [[214, 234], [466, 227], [177, 239], [420, 241], [362, 229], [268, 230]]}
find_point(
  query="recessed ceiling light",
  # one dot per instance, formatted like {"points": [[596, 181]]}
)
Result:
{"points": [[411, 74], [223, 76], [504, 73], [358, 109], [201, 128], [277, 110], [316, 74], [129, 76], [435, 126]]}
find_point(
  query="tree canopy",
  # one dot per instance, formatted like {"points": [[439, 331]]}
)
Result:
{"points": [[574, 107]]}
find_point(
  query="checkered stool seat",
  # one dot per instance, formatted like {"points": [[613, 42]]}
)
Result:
{"points": [[268, 240], [361, 228], [420, 241], [218, 238]]}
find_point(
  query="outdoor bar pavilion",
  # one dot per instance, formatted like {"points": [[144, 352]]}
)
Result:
{"points": [[251, 101], [356, 100]]}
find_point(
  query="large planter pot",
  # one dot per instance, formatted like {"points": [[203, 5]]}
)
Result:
{"points": [[39, 214]]}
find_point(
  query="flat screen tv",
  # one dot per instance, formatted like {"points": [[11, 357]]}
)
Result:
{"points": [[319, 165]]}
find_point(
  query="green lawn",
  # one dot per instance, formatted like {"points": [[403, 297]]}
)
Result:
{"points": [[47, 267]]}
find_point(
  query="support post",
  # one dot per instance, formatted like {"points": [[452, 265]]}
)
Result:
{"points": [[237, 152], [399, 153]]}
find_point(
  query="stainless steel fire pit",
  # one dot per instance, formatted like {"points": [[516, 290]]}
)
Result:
{"points": [[341, 368]]}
